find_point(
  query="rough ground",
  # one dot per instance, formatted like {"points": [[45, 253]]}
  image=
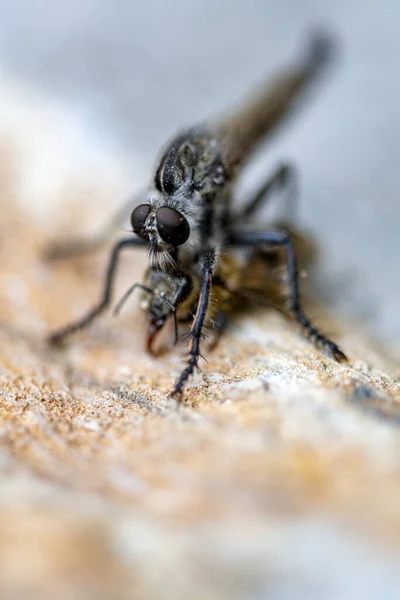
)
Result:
{"points": [[279, 478]]}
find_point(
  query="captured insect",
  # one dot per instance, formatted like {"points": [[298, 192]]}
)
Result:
{"points": [[205, 257]]}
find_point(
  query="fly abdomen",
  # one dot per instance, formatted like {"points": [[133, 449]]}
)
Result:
{"points": [[243, 130]]}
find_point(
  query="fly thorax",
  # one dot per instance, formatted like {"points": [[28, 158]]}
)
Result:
{"points": [[191, 159]]}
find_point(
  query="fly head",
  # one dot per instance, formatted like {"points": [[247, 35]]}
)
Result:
{"points": [[189, 176]]}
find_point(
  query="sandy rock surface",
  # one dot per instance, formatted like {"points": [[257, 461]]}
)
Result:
{"points": [[279, 477]]}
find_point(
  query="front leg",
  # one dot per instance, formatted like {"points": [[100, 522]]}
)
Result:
{"points": [[282, 239], [208, 264], [59, 336]]}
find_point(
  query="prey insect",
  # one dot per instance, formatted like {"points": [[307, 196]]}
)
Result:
{"points": [[204, 256]]}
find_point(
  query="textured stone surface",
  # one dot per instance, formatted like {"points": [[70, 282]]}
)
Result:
{"points": [[280, 477]]}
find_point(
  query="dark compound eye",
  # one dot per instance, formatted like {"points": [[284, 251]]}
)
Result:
{"points": [[172, 226], [139, 216]]}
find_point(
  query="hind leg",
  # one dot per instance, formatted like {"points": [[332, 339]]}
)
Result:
{"points": [[281, 239]]}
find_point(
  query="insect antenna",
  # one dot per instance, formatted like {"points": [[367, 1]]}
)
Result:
{"points": [[125, 297]]}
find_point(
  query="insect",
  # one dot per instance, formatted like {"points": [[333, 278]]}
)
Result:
{"points": [[205, 257]]}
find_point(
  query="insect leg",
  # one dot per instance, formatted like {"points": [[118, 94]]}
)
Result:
{"points": [[281, 239], [61, 334], [285, 177], [130, 291], [64, 249], [196, 330]]}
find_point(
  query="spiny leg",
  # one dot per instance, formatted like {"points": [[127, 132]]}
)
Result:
{"points": [[61, 334], [285, 177], [68, 248], [279, 239], [196, 330]]}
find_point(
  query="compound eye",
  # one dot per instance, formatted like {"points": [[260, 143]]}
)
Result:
{"points": [[172, 226], [139, 216]]}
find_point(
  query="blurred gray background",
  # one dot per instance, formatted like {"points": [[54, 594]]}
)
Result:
{"points": [[138, 71]]}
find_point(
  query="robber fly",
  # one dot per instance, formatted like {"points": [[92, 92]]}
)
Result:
{"points": [[205, 257]]}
